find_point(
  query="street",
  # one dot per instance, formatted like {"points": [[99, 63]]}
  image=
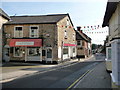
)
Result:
{"points": [[62, 77]]}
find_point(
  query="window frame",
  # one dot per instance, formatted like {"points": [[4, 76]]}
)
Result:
{"points": [[34, 33], [19, 31], [15, 52], [65, 34]]}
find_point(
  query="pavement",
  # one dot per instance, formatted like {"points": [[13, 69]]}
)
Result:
{"points": [[95, 78], [13, 73]]}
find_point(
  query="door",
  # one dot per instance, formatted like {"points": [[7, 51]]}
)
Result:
{"points": [[49, 54], [34, 54]]}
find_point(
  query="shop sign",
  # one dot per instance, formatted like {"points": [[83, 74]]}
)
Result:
{"points": [[24, 43]]}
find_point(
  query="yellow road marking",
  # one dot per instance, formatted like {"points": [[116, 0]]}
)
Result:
{"points": [[88, 71]]}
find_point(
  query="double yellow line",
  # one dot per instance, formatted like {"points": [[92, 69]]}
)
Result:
{"points": [[88, 71]]}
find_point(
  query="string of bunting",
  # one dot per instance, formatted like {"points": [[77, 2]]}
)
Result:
{"points": [[63, 26], [91, 27], [98, 32]]}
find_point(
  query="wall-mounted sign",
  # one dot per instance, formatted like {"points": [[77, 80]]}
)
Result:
{"points": [[24, 43]]}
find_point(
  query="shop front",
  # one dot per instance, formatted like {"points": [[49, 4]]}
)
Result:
{"points": [[26, 49], [69, 51]]}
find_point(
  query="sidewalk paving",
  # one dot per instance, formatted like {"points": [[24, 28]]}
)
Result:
{"points": [[28, 70], [97, 78]]}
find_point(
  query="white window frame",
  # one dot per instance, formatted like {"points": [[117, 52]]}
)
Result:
{"points": [[14, 52], [37, 31], [65, 34], [80, 43], [68, 22], [15, 31]]}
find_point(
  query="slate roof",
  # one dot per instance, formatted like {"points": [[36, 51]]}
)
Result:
{"points": [[82, 36], [3, 14], [40, 19]]}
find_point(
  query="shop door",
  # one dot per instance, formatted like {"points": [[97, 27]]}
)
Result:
{"points": [[49, 54], [34, 54]]}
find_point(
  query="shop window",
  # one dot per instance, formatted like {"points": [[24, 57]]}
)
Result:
{"points": [[65, 51], [33, 52], [34, 31], [18, 52], [18, 32]]}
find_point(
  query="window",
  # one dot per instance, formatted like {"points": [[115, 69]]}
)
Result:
{"points": [[68, 22], [18, 31], [33, 52], [43, 53], [18, 52], [34, 31], [65, 51], [49, 53], [73, 36], [79, 43], [109, 53], [65, 34], [73, 50]]}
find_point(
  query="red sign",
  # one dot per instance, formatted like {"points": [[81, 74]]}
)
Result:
{"points": [[66, 44], [25, 43]]}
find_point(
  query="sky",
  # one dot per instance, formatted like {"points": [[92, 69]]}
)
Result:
{"points": [[82, 12]]}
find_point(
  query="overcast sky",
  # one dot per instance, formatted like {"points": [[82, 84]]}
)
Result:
{"points": [[82, 12]]}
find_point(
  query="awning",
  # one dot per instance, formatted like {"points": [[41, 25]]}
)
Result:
{"points": [[66, 44], [25, 43]]}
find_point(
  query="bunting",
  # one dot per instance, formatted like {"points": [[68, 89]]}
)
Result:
{"points": [[94, 27]]}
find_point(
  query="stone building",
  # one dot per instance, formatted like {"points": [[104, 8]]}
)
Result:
{"points": [[84, 47], [44, 38], [3, 19], [112, 20]]}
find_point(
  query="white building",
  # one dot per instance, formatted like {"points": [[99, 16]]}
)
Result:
{"points": [[3, 19], [112, 20]]}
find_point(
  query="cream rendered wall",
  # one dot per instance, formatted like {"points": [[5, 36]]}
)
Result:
{"points": [[2, 20], [114, 32], [113, 25]]}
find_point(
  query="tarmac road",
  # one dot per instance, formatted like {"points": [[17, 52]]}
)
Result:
{"points": [[60, 78]]}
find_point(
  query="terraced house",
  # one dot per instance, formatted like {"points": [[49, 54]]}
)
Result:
{"points": [[84, 47], [44, 38]]}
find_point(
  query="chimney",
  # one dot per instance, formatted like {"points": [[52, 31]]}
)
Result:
{"points": [[79, 29]]}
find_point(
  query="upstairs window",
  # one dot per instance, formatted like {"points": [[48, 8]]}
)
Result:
{"points": [[65, 34], [18, 32], [34, 31], [79, 43]]}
